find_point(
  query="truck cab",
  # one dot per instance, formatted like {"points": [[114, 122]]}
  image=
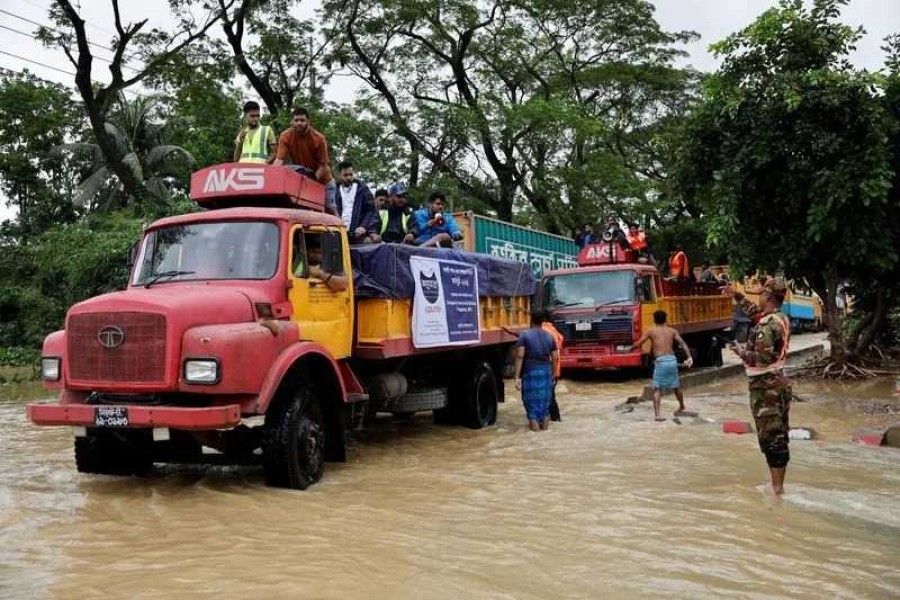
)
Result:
{"points": [[239, 331], [603, 307]]}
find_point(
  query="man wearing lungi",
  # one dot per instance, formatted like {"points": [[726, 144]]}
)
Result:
{"points": [[665, 368]]}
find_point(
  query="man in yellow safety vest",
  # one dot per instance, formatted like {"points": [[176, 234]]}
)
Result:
{"points": [[255, 143]]}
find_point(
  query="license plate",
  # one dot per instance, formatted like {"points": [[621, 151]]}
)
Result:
{"points": [[111, 416], [582, 326]]}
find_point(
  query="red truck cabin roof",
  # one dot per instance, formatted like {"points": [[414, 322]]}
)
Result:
{"points": [[639, 267], [251, 184]]}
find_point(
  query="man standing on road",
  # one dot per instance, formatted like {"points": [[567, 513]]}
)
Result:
{"points": [[764, 357], [303, 146], [665, 368], [557, 367]]}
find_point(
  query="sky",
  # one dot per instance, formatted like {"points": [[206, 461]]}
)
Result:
{"points": [[712, 19]]}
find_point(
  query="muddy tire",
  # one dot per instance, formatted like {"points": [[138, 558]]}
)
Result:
{"points": [[294, 443], [113, 453], [480, 409]]}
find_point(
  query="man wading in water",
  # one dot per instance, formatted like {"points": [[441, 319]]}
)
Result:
{"points": [[665, 369]]}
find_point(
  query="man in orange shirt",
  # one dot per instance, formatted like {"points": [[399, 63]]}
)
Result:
{"points": [[302, 145], [678, 265], [557, 372]]}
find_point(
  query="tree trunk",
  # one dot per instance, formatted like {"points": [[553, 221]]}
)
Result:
{"points": [[504, 204], [834, 319], [413, 166], [866, 335], [133, 187]]}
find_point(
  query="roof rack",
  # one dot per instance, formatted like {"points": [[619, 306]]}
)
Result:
{"points": [[253, 184]]}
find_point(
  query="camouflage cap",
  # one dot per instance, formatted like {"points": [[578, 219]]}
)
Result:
{"points": [[776, 286]]}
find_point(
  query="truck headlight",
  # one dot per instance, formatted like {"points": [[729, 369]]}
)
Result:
{"points": [[50, 368], [201, 370]]}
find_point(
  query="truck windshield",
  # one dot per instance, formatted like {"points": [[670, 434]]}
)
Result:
{"points": [[589, 290], [226, 250]]}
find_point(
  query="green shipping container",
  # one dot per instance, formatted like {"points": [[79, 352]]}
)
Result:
{"points": [[543, 251]]}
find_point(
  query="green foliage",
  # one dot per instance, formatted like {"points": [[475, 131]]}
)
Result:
{"points": [[789, 153], [61, 267], [17, 356], [553, 102], [142, 138], [35, 117]]}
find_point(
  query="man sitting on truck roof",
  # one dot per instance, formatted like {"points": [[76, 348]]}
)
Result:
{"points": [[355, 206], [303, 146], [398, 224], [436, 229]]}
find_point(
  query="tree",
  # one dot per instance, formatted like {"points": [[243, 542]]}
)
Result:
{"points": [[35, 117], [276, 52], [132, 44], [789, 156], [141, 145], [509, 98]]}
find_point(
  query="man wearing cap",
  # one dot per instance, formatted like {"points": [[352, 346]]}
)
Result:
{"points": [[764, 356], [397, 223]]}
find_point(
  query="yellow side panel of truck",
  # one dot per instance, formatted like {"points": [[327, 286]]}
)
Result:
{"points": [[379, 319], [694, 310]]}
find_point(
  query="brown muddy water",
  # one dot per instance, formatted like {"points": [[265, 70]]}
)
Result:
{"points": [[603, 505]]}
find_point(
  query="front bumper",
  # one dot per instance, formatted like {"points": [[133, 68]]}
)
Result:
{"points": [[598, 358], [83, 415]]}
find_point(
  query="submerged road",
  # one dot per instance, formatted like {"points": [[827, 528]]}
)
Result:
{"points": [[605, 504]]}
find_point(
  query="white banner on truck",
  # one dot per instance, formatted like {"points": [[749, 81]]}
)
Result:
{"points": [[445, 307]]}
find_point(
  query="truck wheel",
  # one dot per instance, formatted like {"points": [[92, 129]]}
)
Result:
{"points": [[716, 353], [481, 403], [113, 453], [294, 446]]}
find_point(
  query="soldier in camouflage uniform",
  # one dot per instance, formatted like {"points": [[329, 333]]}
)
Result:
{"points": [[764, 357]]}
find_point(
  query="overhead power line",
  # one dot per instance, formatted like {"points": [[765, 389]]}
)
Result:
{"points": [[42, 7], [58, 70], [94, 44], [26, 34], [36, 62]]}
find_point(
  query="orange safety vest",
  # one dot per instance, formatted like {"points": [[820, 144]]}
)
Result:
{"points": [[779, 363], [637, 239], [678, 265], [549, 328]]}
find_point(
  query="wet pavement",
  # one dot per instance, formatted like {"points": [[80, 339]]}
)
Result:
{"points": [[605, 504]]}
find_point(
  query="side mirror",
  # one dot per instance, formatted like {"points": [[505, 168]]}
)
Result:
{"points": [[132, 255]]}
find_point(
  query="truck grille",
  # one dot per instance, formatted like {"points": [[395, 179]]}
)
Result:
{"points": [[610, 330], [139, 358]]}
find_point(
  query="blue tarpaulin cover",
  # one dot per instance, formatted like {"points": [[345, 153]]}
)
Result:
{"points": [[382, 271]]}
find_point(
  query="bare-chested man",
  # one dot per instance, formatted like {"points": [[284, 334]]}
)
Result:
{"points": [[665, 368]]}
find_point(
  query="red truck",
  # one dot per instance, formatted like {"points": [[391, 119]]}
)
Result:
{"points": [[603, 306], [243, 337]]}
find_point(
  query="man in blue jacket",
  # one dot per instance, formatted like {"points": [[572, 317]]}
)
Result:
{"points": [[355, 206], [434, 228]]}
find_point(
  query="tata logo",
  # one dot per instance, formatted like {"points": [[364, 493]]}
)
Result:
{"points": [[111, 337], [239, 180]]}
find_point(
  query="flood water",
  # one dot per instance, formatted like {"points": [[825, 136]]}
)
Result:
{"points": [[604, 505]]}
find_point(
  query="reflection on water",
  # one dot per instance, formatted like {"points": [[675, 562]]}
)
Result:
{"points": [[605, 504]]}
